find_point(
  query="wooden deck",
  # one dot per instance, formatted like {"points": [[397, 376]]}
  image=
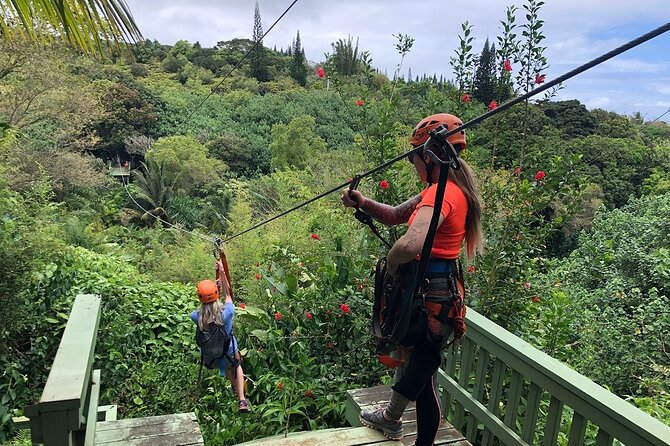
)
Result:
{"points": [[359, 436], [179, 429]]}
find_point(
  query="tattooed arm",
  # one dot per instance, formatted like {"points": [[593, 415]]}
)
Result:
{"points": [[409, 245], [383, 213]]}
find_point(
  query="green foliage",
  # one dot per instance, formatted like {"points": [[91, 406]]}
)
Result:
{"points": [[618, 280], [295, 144], [187, 160], [346, 60], [126, 113], [298, 68], [463, 62], [571, 117], [258, 57], [484, 85]]}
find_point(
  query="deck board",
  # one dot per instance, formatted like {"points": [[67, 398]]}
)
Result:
{"points": [[359, 435], [165, 430]]}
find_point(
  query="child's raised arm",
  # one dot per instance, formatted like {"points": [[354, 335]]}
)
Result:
{"points": [[223, 282]]}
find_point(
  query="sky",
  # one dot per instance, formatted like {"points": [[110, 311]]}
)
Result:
{"points": [[576, 31]]}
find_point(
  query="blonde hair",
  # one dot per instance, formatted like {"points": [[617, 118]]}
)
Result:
{"points": [[210, 312], [467, 182]]}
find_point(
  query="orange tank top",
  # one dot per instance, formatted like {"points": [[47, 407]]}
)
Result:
{"points": [[451, 233]]}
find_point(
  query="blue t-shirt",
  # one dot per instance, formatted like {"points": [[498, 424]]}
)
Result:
{"points": [[227, 316]]}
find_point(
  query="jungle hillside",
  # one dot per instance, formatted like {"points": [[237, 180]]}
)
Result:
{"points": [[118, 170]]}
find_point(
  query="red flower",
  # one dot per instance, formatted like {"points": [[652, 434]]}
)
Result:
{"points": [[345, 309], [507, 66], [360, 102], [278, 316], [539, 175], [539, 79], [536, 299], [320, 72], [243, 305], [384, 184], [331, 345], [493, 105], [308, 393], [466, 97], [471, 269], [517, 171], [526, 285], [257, 277], [309, 316], [315, 236], [280, 386]]}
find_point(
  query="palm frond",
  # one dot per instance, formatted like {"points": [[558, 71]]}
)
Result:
{"points": [[88, 25]]}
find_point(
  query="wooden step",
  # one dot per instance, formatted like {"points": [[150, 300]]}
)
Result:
{"points": [[371, 397], [179, 429]]}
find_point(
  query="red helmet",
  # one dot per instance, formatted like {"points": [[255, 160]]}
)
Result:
{"points": [[207, 291], [423, 128]]}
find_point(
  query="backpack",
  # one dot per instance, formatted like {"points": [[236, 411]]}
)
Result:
{"points": [[214, 344]]}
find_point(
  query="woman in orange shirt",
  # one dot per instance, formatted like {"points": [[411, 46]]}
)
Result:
{"points": [[459, 222]]}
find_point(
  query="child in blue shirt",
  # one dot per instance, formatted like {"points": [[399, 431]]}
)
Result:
{"points": [[213, 311]]}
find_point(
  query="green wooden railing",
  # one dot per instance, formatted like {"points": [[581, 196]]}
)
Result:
{"points": [[498, 389], [67, 411]]}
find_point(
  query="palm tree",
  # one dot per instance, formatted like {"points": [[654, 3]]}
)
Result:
{"points": [[156, 186], [87, 25]]}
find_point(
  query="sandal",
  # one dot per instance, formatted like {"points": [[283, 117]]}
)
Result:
{"points": [[243, 406]]}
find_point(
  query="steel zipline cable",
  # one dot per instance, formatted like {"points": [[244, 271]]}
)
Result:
{"points": [[597, 61], [237, 65]]}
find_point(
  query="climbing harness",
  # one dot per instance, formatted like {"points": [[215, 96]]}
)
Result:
{"points": [[363, 216]]}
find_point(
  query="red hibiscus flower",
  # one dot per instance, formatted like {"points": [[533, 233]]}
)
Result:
{"points": [[257, 277], [384, 184], [309, 316], [278, 316], [517, 171], [466, 98], [539, 175], [308, 393], [507, 66], [536, 299], [539, 79], [360, 102], [320, 72], [315, 236], [280, 385], [345, 309], [471, 269], [243, 305], [493, 105]]}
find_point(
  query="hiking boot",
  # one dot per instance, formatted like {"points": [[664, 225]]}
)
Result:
{"points": [[375, 419], [243, 406]]}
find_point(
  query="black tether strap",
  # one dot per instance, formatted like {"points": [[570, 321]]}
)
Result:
{"points": [[450, 155], [363, 216]]}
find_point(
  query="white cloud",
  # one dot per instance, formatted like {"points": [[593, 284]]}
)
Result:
{"points": [[576, 31]]}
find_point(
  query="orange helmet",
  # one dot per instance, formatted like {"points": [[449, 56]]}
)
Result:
{"points": [[423, 128], [207, 291]]}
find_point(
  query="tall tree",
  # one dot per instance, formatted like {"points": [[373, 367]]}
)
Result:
{"points": [[298, 68], [258, 59], [84, 24], [485, 78], [346, 59]]}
